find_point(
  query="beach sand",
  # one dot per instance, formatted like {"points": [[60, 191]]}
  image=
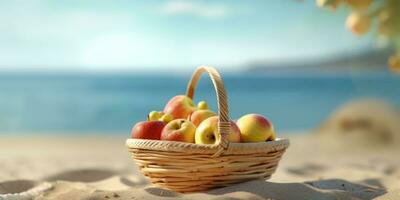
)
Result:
{"points": [[100, 167], [354, 154]]}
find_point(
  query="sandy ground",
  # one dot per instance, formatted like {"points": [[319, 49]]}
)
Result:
{"points": [[99, 167]]}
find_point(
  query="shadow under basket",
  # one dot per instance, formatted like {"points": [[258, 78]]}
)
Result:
{"points": [[188, 167]]}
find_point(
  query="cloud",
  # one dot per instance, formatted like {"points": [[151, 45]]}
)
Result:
{"points": [[196, 9], [38, 34]]}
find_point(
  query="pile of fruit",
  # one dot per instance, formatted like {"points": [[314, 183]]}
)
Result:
{"points": [[183, 121]]}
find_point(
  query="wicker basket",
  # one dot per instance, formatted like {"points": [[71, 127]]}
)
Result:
{"points": [[187, 167]]}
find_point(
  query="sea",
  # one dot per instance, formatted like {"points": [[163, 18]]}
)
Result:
{"points": [[111, 103]]}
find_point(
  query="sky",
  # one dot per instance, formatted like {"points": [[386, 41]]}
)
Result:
{"points": [[150, 35]]}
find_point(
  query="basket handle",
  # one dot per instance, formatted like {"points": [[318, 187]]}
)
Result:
{"points": [[222, 100]]}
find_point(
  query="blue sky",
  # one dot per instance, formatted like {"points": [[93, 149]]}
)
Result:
{"points": [[147, 35]]}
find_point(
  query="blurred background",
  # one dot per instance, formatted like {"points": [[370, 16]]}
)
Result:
{"points": [[84, 67]]}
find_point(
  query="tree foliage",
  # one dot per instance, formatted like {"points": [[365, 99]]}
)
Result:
{"points": [[382, 16]]}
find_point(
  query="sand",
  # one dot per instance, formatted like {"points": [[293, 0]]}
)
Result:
{"points": [[99, 167], [353, 155]]}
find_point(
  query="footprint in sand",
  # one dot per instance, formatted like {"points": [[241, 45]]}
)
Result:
{"points": [[307, 169], [357, 190], [22, 189]]}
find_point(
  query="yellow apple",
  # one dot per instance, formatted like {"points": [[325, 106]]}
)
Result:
{"points": [[180, 130], [255, 128], [200, 115], [154, 116], [166, 118], [202, 105], [159, 116], [207, 132]]}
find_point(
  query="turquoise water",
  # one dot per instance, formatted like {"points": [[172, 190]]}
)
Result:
{"points": [[113, 103]]}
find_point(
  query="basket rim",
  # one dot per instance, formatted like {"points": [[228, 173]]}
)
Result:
{"points": [[233, 148]]}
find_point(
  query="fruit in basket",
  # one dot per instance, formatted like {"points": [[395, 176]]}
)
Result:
{"points": [[166, 118], [159, 116], [255, 128], [273, 136], [202, 105], [154, 116], [180, 107], [180, 130], [207, 132], [200, 115], [148, 130]]}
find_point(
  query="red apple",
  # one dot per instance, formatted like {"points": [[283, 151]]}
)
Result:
{"points": [[180, 107], [180, 130], [148, 130]]}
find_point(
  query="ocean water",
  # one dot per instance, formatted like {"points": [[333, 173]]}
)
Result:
{"points": [[105, 103]]}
